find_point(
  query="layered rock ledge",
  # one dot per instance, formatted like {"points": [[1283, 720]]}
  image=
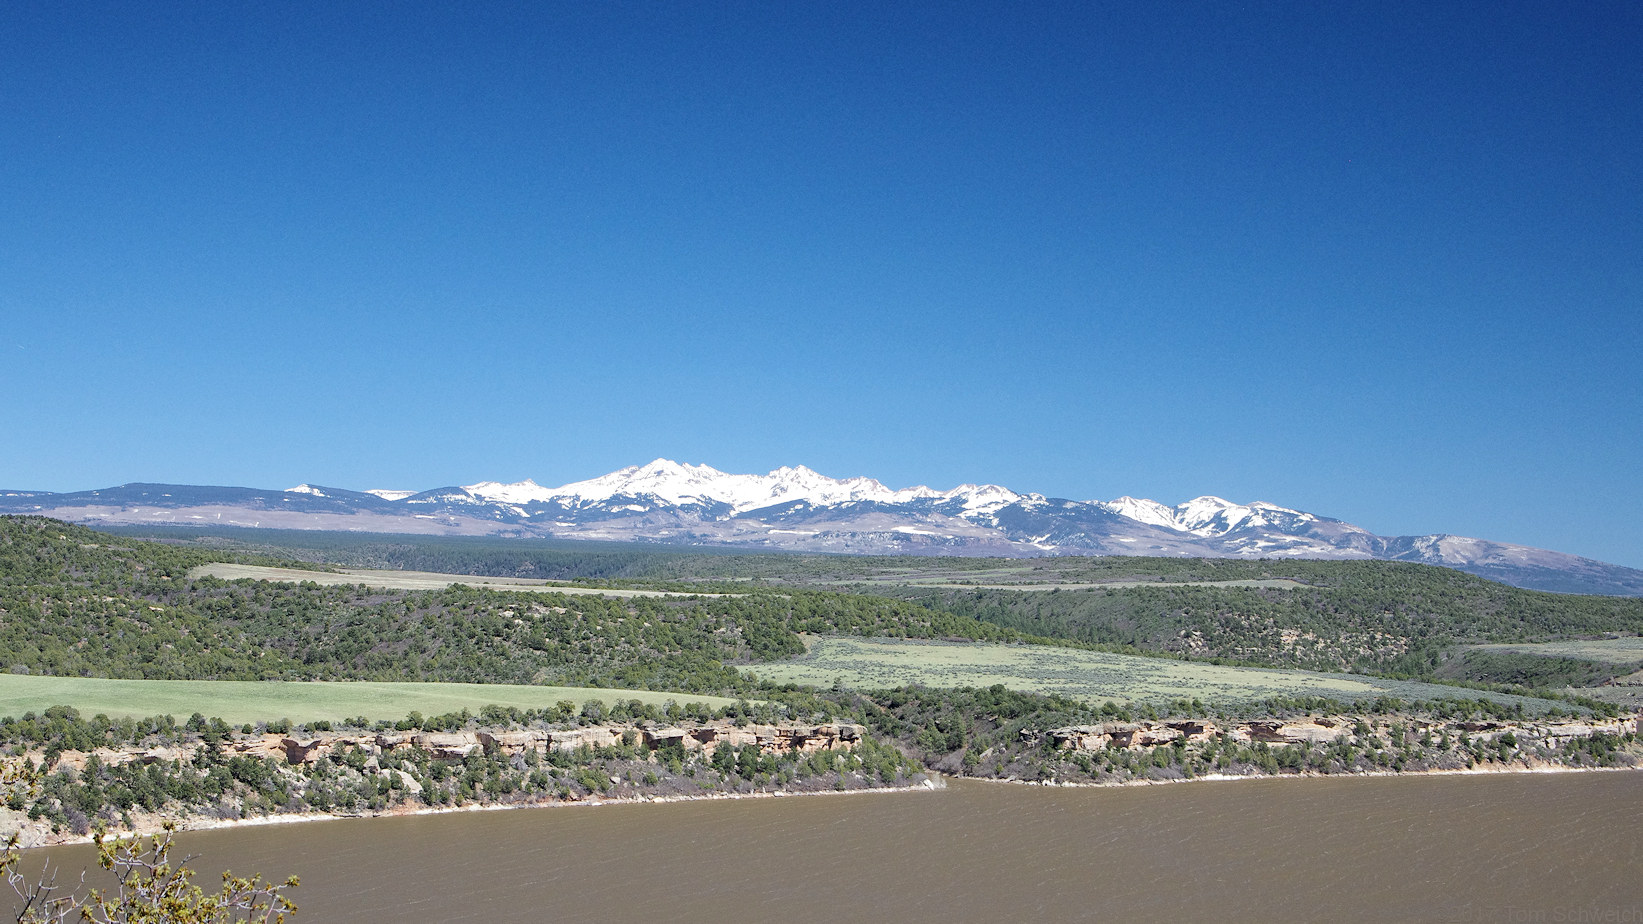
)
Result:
{"points": [[701, 739], [1106, 736]]}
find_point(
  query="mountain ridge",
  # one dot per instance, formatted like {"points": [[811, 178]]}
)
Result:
{"points": [[795, 508]]}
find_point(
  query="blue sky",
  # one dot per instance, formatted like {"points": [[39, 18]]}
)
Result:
{"points": [[1381, 262]]}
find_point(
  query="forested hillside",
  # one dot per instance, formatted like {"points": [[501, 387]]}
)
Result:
{"points": [[1374, 617], [478, 555], [75, 602], [78, 602]]}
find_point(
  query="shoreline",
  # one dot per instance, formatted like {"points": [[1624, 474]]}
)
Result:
{"points": [[1304, 775], [148, 825], [153, 824]]}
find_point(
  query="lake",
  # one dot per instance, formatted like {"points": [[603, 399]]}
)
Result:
{"points": [[1500, 847]]}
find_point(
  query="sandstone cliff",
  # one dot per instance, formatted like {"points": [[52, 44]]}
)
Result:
{"points": [[1106, 736], [702, 739]]}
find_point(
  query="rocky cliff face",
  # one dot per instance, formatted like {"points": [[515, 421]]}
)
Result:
{"points": [[201, 779], [703, 739], [1119, 736]]}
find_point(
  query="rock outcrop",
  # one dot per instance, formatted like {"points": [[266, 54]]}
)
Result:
{"points": [[1317, 731], [455, 746], [1321, 730]]}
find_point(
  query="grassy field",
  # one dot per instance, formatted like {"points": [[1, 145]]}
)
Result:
{"points": [[1092, 676], [251, 701], [413, 580], [1604, 651]]}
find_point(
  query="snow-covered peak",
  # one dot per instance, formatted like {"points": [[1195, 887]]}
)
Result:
{"points": [[1208, 516], [801, 483], [1213, 516], [305, 489], [663, 478], [702, 484], [1142, 510], [685, 484], [519, 492], [982, 498]]}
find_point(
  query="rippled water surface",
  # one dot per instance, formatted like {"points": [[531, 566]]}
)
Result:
{"points": [[1530, 847]]}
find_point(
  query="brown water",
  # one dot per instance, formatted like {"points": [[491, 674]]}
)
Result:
{"points": [[1516, 848]]}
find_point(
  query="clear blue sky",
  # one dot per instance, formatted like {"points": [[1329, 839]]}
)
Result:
{"points": [[1382, 262]]}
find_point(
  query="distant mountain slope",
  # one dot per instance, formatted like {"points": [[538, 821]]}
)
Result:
{"points": [[799, 509]]}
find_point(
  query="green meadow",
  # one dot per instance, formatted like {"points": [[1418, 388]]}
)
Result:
{"points": [[237, 701], [1092, 676]]}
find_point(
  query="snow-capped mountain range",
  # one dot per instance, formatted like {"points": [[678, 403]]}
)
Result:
{"points": [[800, 510], [702, 485]]}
